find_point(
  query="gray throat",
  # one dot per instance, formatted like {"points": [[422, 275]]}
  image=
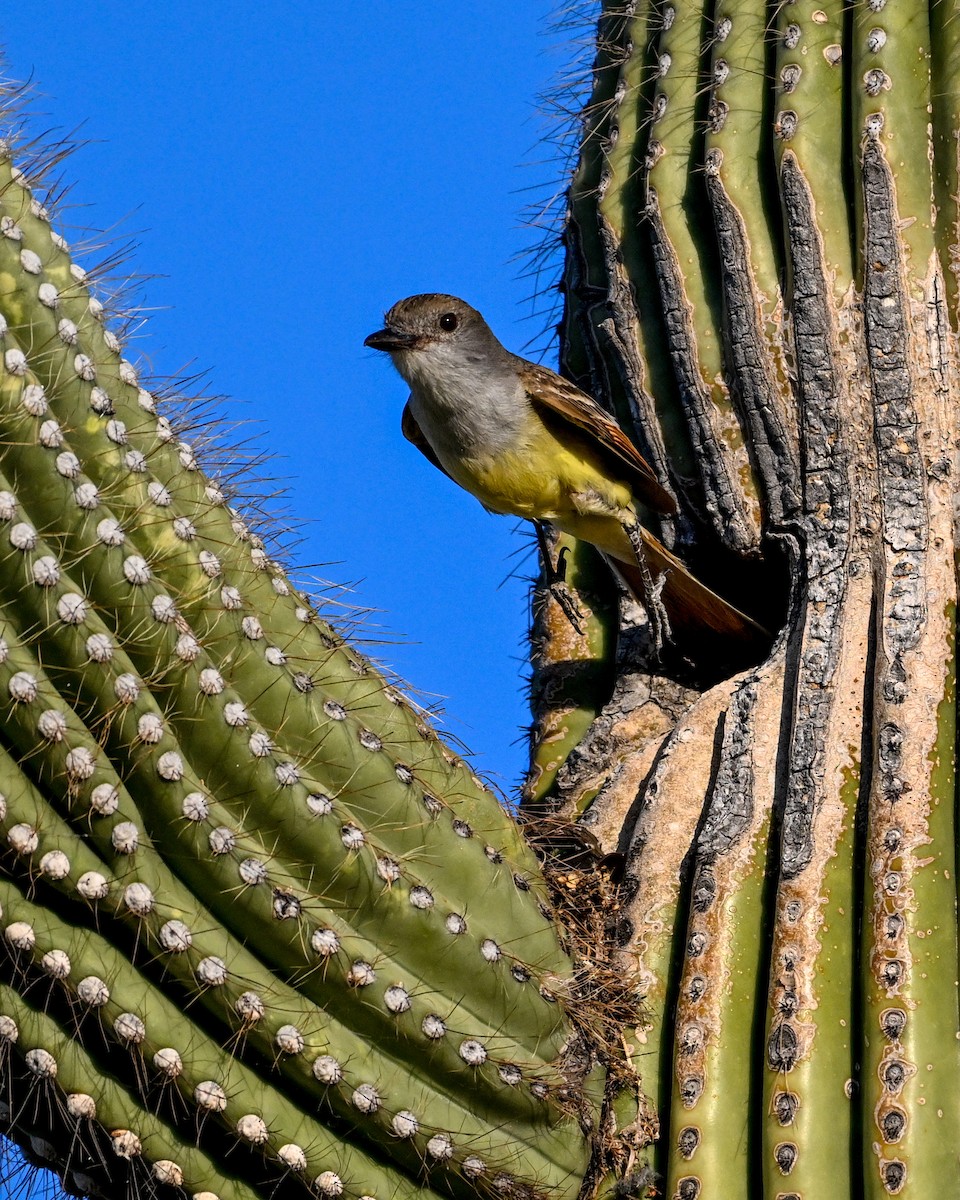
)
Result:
{"points": [[467, 405]]}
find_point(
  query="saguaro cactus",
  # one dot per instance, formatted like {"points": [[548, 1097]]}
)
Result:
{"points": [[261, 930], [761, 273]]}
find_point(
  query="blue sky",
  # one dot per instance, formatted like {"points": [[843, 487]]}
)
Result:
{"points": [[289, 170]]}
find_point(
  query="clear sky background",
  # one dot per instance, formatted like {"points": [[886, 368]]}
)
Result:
{"points": [[289, 170]]}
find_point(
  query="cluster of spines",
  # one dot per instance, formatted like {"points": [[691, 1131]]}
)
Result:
{"points": [[240, 789]]}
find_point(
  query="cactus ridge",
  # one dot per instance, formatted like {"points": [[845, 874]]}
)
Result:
{"points": [[679, 220]]}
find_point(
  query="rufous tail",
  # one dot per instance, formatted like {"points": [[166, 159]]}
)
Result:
{"points": [[691, 606]]}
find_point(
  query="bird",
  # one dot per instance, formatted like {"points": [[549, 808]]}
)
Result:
{"points": [[527, 442]]}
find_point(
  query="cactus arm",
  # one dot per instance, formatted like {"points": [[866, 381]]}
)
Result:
{"points": [[200, 940]]}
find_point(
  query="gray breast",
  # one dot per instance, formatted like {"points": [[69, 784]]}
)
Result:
{"points": [[466, 409]]}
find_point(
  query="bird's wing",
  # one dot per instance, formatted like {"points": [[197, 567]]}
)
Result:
{"points": [[549, 391], [414, 434]]}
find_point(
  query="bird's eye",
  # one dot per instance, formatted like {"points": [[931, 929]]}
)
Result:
{"points": [[449, 322]]}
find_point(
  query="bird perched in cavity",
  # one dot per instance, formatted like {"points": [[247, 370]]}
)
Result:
{"points": [[527, 442]]}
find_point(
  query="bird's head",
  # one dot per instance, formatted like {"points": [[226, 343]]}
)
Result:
{"points": [[430, 334]]}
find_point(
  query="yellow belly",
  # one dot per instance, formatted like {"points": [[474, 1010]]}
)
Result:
{"points": [[565, 484]]}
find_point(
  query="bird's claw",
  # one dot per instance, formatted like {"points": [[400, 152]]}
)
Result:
{"points": [[568, 605], [555, 576]]}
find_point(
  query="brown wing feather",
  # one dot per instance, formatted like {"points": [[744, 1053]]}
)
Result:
{"points": [[414, 434], [548, 390]]}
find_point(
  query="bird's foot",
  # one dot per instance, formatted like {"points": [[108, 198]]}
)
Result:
{"points": [[568, 605], [660, 632], [555, 580]]}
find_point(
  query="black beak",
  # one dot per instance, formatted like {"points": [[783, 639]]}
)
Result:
{"points": [[391, 339]]}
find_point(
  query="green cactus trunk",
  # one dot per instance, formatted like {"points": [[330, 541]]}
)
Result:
{"points": [[782, 222], [263, 932]]}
